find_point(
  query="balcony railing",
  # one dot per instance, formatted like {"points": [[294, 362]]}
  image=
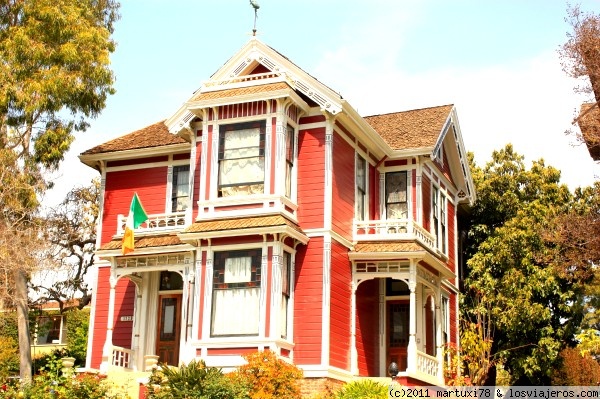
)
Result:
{"points": [[157, 222], [392, 229], [427, 364], [122, 357]]}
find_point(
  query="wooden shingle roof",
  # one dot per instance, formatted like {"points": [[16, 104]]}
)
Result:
{"points": [[145, 242], [388, 246], [242, 91], [240, 223], [419, 128], [155, 135], [589, 124]]}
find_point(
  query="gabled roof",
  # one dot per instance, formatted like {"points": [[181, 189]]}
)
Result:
{"points": [[589, 124], [155, 135], [419, 128]]}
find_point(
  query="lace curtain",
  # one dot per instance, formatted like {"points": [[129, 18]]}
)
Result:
{"points": [[241, 169]]}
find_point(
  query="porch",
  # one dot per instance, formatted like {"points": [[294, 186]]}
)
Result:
{"points": [[400, 314]]}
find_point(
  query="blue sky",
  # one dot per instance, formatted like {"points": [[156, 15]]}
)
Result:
{"points": [[495, 60]]}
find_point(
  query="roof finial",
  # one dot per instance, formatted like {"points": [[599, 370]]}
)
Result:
{"points": [[254, 5]]}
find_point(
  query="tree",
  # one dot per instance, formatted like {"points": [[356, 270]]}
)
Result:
{"points": [[54, 76], [580, 57], [513, 280], [71, 235]]}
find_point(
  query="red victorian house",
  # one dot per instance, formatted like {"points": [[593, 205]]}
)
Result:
{"points": [[281, 219]]}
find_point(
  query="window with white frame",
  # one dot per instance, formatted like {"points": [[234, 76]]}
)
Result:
{"points": [[180, 192], [445, 320], [361, 188], [439, 218], [289, 160], [51, 330], [396, 195], [236, 293], [242, 159], [286, 287]]}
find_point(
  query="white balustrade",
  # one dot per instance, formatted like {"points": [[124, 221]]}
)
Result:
{"points": [[392, 229], [121, 357], [427, 364], [156, 222]]}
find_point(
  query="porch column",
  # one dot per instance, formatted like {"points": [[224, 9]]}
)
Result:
{"points": [[108, 346], [353, 352], [439, 354], [137, 323], [412, 322]]}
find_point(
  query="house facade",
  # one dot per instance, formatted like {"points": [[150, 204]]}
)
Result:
{"points": [[281, 219]]}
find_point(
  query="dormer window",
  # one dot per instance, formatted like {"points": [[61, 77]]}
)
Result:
{"points": [[242, 159], [361, 188]]}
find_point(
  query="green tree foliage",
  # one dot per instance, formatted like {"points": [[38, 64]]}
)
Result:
{"points": [[54, 76], [513, 278]]}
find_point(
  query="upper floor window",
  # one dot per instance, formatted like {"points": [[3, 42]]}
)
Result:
{"points": [[181, 188], [289, 160], [242, 159], [396, 195], [361, 188], [439, 218], [236, 291], [286, 285]]}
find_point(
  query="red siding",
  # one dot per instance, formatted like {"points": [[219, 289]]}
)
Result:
{"points": [[137, 161], [426, 198], [367, 323], [341, 307], [242, 110], [268, 277], [453, 318], [312, 119], [343, 187], [150, 185], [413, 193], [124, 301], [196, 190], [311, 177], [208, 162], [308, 300], [451, 238]]}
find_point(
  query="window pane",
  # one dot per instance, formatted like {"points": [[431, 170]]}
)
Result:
{"points": [[241, 159], [235, 311], [238, 270], [181, 188], [397, 211], [395, 187]]}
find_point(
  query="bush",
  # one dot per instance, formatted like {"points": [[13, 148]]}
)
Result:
{"points": [[77, 323], [576, 369], [194, 381], [52, 385], [9, 357], [363, 389], [269, 377]]}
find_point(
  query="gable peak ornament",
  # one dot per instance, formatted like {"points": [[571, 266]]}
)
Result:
{"points": [[254, 5]]}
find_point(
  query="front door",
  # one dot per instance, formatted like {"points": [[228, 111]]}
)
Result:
{"points": [[397, 333], [169, 328]]}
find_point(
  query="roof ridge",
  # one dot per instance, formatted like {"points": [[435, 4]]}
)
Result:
{"points": [[410, 110]]}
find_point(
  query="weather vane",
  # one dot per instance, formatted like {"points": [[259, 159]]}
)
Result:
{"points": [[254, 5]]}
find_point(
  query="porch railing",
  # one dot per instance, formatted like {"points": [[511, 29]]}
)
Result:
{"points": [[156, 222], [122, 357], [392, 229], [427, 364]]}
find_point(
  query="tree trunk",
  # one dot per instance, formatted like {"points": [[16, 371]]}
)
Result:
{"points": [[23, 325]]}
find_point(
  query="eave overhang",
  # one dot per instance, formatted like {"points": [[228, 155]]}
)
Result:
{"points": [[184, 247], [92, 159], [252, 231], [423, 255]]}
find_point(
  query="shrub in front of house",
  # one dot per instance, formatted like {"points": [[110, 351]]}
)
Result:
{"points": [[362, 389], [192, 381], [269, 377]]}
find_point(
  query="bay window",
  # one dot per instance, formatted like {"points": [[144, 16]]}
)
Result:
{"points": [[361, 188], [285, 293], [236, 293], [180, 192], [289, 160], [439, 219], [241, 159], [396, 195]]}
